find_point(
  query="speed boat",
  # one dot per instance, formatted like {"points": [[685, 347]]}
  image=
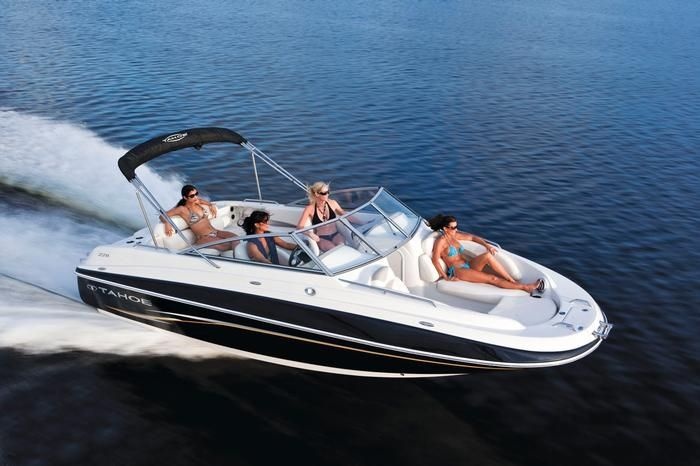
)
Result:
{"points": [[372, 306]]}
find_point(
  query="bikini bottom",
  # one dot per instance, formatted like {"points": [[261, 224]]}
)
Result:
{"points": [[211, 234], [451, 269], [329, 237]]}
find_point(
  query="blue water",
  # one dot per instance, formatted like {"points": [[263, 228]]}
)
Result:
{"points": [[566, 131]]}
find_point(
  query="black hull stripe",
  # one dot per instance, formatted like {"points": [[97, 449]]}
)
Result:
{"points": [[291, 331], [332, 324], [333, 358], [307, 340]]}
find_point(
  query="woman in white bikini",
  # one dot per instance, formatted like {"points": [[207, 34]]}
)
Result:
{"points": [[197, 212], [448, 248]]}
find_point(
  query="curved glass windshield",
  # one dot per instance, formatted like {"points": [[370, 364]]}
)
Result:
{"points": [[376, 225]]}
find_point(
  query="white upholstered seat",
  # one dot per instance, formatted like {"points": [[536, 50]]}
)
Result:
{"points": [[175, 242], [477, 291]]}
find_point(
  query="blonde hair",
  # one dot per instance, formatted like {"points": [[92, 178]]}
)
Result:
{"points": [[316, 188]]}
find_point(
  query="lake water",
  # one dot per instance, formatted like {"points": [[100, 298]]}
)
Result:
{"points": [[567, 131]]}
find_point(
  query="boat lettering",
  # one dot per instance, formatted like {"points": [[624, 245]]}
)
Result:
{"points": [[175, 137], [120, 294]]}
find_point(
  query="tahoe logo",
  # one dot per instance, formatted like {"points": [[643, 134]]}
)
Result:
{"points": [[175, 137], [120, 295]]}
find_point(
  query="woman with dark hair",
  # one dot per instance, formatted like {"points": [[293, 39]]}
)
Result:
{"points": [[196, 213], [263, 249], [448, 248]]}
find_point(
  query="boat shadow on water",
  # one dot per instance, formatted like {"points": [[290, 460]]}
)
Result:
{"points": [[104, 409]]}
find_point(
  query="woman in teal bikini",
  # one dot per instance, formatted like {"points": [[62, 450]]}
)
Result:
{"points": [[448, 248]]}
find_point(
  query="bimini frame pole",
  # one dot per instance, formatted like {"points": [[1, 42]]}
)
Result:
{"points": [[255, 170], [141, 188], [255, 152], [148, 222]]}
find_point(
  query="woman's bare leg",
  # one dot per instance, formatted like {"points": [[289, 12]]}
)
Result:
{"points": [[325, 245], [219, 234], [479, 262], [476, 276]]}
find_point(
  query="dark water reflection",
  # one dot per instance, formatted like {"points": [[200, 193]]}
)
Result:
{"points": [[165, 410], [567, 132]]}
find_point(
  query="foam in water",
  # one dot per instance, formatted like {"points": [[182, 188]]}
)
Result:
{"points": [[55, 160], [74, 166], [42, 244], [35, 321]]}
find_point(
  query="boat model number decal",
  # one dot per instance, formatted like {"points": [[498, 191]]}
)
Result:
{"points": [[119, 294], [175, 137]]}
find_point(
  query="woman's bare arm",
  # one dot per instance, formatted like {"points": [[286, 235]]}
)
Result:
{"points": [[255, 254], [437, 250]]}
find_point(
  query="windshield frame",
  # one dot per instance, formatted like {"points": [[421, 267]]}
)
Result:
{"points": [[371, 251]]}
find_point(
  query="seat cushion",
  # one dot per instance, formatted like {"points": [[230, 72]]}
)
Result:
{"points": [[526, 310], [473, 249], [384, 277], [477, 291], [426, 269]]}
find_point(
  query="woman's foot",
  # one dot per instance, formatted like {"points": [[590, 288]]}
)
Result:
{"points": [[530, 287], [538, 287], [541, 285]]}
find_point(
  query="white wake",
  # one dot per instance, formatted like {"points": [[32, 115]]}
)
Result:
{"points": [[43, 242]]}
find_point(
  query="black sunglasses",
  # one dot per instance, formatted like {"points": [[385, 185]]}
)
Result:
{"points": [[190, 196], [451, 228], [323, 193]]}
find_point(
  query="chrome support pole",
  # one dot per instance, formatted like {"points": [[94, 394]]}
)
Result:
{"points": [[145, 216], [352, 228], [255, 170], [274, 165], [140, 187]]}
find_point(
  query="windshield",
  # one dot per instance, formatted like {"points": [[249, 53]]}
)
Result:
{"points": [[376, 225]]}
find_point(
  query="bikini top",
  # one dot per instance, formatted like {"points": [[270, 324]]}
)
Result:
{"points": [[195, 217], [272, 255], [453, 251], [316, 219]]}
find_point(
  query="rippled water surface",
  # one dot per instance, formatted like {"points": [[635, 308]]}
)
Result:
{"points": [[567, 131]]}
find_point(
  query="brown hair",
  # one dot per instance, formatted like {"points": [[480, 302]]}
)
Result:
{"points": [[440, 221]]}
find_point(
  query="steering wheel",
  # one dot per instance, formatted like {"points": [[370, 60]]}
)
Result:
{"points": [[298, 257]]}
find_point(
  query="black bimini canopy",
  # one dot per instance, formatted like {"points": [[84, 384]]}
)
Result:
{"points": [[195, 137]]}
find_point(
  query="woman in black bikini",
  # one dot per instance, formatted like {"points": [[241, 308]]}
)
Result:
{"points": [[196, 213], [322, 208]]}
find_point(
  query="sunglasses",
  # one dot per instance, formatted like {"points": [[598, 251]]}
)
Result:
{"points": [[191, 196], [323, 193], [451, 228]]}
